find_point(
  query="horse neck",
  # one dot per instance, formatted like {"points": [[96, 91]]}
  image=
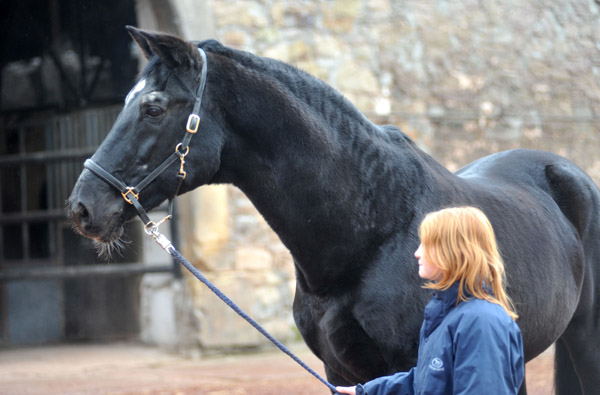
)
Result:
{"points": [[329, 182]]}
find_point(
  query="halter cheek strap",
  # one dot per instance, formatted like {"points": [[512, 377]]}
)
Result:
{"points": [[131, 194]]}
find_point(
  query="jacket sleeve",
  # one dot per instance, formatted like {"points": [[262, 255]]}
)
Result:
{"points": [[397, 384], [488, 356]]}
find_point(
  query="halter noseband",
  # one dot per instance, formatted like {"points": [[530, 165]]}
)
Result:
{"points": [[131, 194]]}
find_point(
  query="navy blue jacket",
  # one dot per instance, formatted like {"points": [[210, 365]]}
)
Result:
{"points": [[472, 348]]}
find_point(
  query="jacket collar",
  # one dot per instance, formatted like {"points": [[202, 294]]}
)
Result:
{"points": [[439, 306], [441, 303], [449, 296]]}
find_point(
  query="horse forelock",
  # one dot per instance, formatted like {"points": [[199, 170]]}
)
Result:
{"points": [[157, 75], [152, 65]]}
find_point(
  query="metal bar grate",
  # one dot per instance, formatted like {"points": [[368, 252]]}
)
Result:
{"points": [[48, 151]]}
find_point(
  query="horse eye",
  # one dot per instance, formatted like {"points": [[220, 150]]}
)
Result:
{"points": [[154, 112]]}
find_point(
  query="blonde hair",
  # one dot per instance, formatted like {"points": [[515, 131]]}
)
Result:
{"points": [[461, 243]]}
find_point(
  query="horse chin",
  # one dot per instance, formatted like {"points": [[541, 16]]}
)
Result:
{"points": [[106, 251], [108, 245]]}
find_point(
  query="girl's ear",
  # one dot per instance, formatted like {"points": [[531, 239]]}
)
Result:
{"points": [[172, 51]]}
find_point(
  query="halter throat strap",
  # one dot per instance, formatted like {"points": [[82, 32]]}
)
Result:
{"points": [[131, 193]]}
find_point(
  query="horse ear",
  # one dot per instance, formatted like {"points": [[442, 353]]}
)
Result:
{"points": [[140, 41], [173, 51]]}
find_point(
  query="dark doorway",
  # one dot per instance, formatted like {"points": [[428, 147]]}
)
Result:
{"points": [[65, 54]]}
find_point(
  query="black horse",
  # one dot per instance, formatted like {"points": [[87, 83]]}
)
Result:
{"points": [[346, 197]]}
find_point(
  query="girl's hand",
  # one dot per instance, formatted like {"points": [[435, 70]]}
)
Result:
{"points": [[346, 390]]}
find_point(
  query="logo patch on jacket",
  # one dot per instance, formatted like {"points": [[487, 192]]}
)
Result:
{"points": [[436, 364]]}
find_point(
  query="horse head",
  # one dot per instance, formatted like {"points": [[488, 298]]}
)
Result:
{"points": [[143, 149]]}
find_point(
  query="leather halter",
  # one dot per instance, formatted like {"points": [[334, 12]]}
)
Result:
{"points": [[131, 193]]}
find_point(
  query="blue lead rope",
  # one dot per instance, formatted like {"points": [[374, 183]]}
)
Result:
{"points": [[160, 239]]}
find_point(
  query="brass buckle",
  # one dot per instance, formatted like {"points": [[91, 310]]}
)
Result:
{"points": [[192, 123], [130, 190]]}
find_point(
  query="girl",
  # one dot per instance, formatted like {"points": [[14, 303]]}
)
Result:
{"points": [[469, 342]]}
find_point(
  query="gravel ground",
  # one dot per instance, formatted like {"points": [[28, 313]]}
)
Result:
{"points": [[125, 369]]}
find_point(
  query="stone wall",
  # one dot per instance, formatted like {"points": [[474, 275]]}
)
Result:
{"points": [[464, 79], [229, 241]]}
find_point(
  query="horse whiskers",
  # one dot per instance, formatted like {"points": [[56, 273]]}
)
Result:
{"points": [[105, 250]]}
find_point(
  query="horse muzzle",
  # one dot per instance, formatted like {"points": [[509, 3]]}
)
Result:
{"points": [[96, 213]]}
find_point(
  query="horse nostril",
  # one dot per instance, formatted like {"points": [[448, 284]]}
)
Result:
{"points": [[81, 215], [84, 214]]}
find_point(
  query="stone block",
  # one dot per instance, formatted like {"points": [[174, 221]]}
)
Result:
{"points": [[235, 38], [340, 16], [158, 316], [290, 14], [299, 50], [206, 226], [355, 78], [253, 259], [248, 14], [221, 327], [328, 46], [279, 51]]}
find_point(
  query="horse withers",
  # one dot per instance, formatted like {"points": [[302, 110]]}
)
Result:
{"points": [[346, 197]]}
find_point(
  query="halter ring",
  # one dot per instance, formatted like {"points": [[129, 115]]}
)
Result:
{"points": [[182, 154]]}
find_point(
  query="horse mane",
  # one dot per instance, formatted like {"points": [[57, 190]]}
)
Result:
{"points": [[276, 68], [307, 88]]}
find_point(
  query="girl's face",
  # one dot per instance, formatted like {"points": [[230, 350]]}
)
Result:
{"points": [[427, 271]]}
